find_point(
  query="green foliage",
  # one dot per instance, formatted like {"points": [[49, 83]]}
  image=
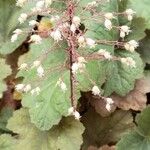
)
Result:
{"points": [[5, 114], [144, 48], [9, 14], [5, 71], [121, 78], [140, 138], [104, 130], [47, 108], [66, 135], [7, 142], [142, 9], [43, 122]]}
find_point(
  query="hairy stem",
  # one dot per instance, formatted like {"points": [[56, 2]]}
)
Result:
{"points": [[72, 47]]}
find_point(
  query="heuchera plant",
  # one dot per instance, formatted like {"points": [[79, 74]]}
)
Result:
{"points": [[73, 48]]}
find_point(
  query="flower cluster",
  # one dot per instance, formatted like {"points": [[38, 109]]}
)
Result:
{"points": [[67, 29]]}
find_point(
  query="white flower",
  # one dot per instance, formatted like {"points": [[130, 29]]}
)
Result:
{"points": [[122, 34], [33, 22], [79, 65], [95, 90], [81, 41], [19, 87], [129, 13], [108, 107], [109, 100], [23, 66], [27, 88], [76, 115], [109, 16], [76, 21], [104, 53], [40, 71], [92, 4], [20, 3], [124, 30], [108, 24], [62, 85], [22, 18], [131, 45], [75, 67], [56, 35], [14, 37], [36, 63], [73, 28], [90, 42], [81, 60], [17, 31], [40, 4], [37, 90], [70, 111], [128, 61], [36, 39], [109, 103]]}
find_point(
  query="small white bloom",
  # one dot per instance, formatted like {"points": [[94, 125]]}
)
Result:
{"points": [[108, 107], [129, 13], [96, 90], [75, 67], [79, 65], [122, 34], [108, 24], [131, 45], [40, 71], [92, 4], [40, 4], [81, 60], [76, 115], [124, 30], [17, 31], [128, 61], [19, 87], [23, 66], [104, 53], [109, 103], [73, 28], [109, 100], [109, 16], [62, 85], [36, 39], [56, 35], [90, 42], [27, 88], [33, 22], [22, 18], [76, 21], [36, 63], [37, 90], [81, 41], [70, 111], [14, 37], [20, 3]]}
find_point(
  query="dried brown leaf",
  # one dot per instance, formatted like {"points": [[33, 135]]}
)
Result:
{"points": [[136, 99]]}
